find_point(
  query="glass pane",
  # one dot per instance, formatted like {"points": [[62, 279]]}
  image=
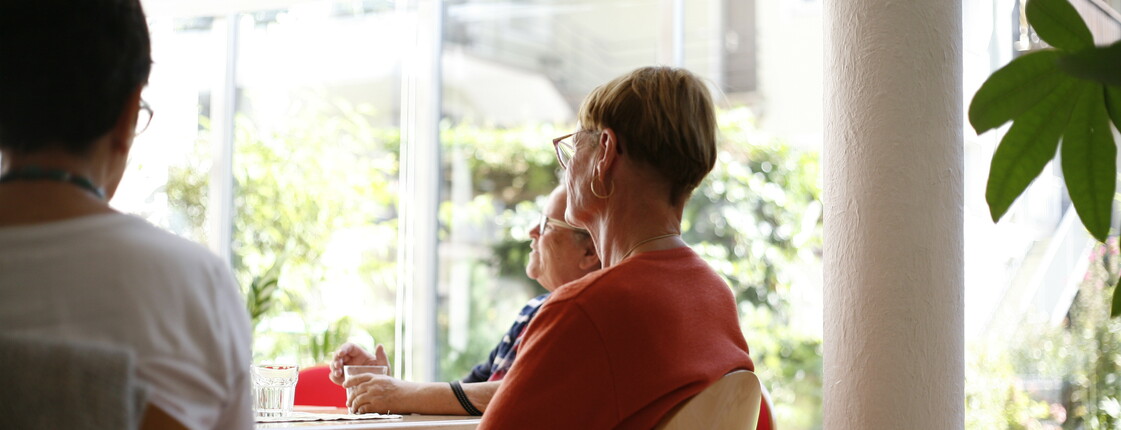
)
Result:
{"points": [[1041, 349], [315, 174], [757, 216]]}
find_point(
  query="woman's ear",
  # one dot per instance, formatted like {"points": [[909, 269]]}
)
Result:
{"points": [[590, 260], [125, 128], [609, 143], [120, 142]]}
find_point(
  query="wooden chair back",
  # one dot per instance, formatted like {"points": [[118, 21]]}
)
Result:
{"points": [[732, 402]]}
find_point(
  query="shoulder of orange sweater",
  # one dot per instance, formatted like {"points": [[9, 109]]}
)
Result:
{"points": [[638, 267], [575, 289]]}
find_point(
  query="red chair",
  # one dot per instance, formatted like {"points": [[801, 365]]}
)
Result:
{"points": [[314, 388]]}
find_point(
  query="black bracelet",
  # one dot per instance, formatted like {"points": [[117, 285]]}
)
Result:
{"points": [[462, 397]]}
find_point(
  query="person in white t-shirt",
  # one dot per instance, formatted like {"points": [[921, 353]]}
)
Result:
{"points": [[71, 267]]}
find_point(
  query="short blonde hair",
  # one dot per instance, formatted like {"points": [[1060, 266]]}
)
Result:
{"points": [[662, 116]]}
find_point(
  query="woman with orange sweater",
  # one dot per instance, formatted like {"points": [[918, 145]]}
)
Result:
{"points": [[622, 346]]}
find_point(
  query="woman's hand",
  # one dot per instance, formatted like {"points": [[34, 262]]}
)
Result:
{"points": [[377, 393], [350, 355]]}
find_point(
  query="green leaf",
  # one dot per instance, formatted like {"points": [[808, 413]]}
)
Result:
{"points": [[1090, 160], [1101, 64], [1115, 310], [1029, 145], [1113, 104], [1058, 24], [1014, 88]]}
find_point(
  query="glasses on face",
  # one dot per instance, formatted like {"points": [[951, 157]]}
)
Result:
{"points": [[143, 117], [547, 221], [565, 147]]}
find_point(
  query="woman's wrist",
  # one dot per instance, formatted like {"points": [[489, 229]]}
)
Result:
{"points": [[464, 402], [408, 397], [436, 398], [481, 393]]}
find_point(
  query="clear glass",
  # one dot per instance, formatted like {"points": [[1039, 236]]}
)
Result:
{"points": [[352, 370], [274, 389]]}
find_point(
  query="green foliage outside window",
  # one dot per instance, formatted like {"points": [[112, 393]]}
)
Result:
{"points": [[297, 189], [757, 217], [789, 365], [1094, 382], [1066, 376], [994, 398], [321, 346]]}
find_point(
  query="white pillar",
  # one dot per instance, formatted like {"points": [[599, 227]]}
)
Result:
{"points": [[894, 347]]}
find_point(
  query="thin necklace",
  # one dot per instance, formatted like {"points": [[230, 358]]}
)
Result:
{"points": [[641, 242], [35, 173]]}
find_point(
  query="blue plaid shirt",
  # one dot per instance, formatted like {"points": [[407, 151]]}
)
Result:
{"points": [[502, 357]]}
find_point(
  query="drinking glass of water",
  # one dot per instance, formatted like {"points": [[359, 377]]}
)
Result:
{"points": [[274, 389], [350, 370]]}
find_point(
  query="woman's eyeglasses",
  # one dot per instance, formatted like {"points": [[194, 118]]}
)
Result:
{"points": [[565, 148], [143, 117], [546, 221]]}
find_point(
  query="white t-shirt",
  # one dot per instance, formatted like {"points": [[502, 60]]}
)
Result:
{"points": [[117, 279]]}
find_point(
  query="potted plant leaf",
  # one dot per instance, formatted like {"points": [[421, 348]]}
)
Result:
{"points": [[1068, 93]]}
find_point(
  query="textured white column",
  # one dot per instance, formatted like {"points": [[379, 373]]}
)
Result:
{"points": [[893, 215]]}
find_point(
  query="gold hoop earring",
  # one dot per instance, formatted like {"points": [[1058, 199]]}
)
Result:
{"points": [[592, 185]]}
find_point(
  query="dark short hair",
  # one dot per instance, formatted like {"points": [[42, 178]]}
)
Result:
{"points": [[66, 69], [664, 117]]}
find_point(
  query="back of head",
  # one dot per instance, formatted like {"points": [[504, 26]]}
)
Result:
{"points": [[662, 116], [66, 69]]}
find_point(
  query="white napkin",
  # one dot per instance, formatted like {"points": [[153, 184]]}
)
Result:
{"points": [[308, 416]]}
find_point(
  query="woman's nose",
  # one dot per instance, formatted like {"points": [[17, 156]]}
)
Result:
{"points": [[535, 232]]}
